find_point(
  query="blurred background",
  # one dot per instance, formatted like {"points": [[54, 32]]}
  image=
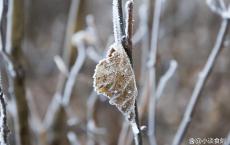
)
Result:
{"points": [[187, 34]]}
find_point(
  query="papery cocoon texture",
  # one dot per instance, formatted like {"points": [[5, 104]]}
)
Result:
{"points": [[114, 78]]}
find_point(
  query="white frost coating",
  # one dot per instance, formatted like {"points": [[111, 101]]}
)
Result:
{"points": [[2, 125], [116, 22], [111, 80], [135, 128]]}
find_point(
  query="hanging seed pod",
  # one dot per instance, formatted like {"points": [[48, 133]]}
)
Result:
{"points": [[114, 78]]}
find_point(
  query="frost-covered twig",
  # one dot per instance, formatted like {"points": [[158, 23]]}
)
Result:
{"points": [[118, 23], [62, 101], [127, 43], [55, 109], [4, 5], [3, 120], [202, 78], [164, 79], [67, 46], [73, 73], [129, 20], [16, 71], [70, 29], [152, 73]]}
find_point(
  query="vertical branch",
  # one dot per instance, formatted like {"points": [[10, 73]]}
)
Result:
{"points": [[3, 120], [18, 80], [129, 20], [152, 72], [127, 43], [203, 77], [4, 23], [3, 117], [57, 106], [118, 24], [70, 29], [123, 35], [67, 47], [69, 86], [15, 70], [55, 116]]}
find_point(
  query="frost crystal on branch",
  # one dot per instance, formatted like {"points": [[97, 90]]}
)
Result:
{"points": [[3, 123], [114, 78], [117, 21]]}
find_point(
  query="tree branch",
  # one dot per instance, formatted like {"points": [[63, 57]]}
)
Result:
{"points": [[152, 73], [203, 77], [118, 24], [3, 120]]}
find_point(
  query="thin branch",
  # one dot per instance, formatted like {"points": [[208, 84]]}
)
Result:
{"points": [[70, 29], [127, 43], [73, 74], [59, 102], [165, 78], [16, 71], [141, 34], [152, 73], [123, 35], [3, 120], [129, 20], [56, 109], [203, 77], [118, 24], [67, 47], [4, 23], [127, 40]]}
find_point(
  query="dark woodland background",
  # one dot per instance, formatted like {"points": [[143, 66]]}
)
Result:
{"points": [[188, 30]]}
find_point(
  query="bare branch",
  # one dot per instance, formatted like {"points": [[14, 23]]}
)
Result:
{"points": [[129, 20], [3, 120], [118, 24], [70, 29], [73, 74], [165, 78], [3, 27], [203, 77], [152, 73], [67, 46]]}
